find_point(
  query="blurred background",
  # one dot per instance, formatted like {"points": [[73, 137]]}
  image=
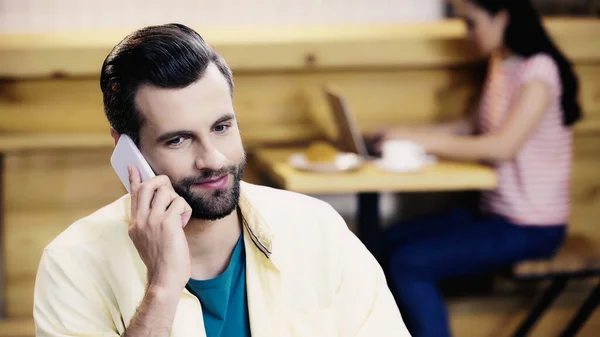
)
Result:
{"points": [[68, 15], [396, 61]]}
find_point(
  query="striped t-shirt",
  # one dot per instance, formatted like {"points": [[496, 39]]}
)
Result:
{"points": [[534, 188]]}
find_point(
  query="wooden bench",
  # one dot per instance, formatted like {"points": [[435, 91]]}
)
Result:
{"points": [[579, 257]]}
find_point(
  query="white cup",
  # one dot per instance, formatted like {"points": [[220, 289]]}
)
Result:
{"points": [[402, 155]]}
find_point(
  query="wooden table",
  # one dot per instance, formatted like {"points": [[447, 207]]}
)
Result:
{"points": [[369, 181]]}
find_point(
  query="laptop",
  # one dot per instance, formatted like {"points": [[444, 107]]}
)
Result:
{"points": [[350, 139]]}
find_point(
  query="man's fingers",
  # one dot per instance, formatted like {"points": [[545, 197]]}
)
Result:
{"points": [[162, 198], [179, 209], [146, 193], [134, 186]]}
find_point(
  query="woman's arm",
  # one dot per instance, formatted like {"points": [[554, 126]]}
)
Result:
{"points": [[502, 145], [463, 126]]}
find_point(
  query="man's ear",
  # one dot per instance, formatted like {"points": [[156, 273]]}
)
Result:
{"points": [[115, 135]]}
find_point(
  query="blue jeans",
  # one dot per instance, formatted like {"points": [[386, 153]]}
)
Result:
{"points": [[421, 252]]}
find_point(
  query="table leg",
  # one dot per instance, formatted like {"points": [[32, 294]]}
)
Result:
{"points": [[369, 222]]}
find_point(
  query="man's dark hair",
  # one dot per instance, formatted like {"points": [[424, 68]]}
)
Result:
{"points": [[165, 56]]}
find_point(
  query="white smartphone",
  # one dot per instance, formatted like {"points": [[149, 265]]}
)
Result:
{"points": [[126, 153]]}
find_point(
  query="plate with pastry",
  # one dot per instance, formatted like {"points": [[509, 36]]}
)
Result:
{"points": [[325, 158]]}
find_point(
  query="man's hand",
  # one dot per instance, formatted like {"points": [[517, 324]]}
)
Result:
{"points": [[158, 216]]}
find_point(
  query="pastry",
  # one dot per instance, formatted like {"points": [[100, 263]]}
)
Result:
{"points": [[321, 152]]}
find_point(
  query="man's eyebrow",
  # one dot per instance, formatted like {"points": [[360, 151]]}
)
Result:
{"points": [[174, 134], [225, 118]]}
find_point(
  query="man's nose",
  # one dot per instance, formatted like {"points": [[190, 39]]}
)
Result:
{"points": [[210, 158]]}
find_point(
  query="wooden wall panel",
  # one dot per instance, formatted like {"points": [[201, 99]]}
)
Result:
{"points": [[59, 180], [585, 195], [589, 96], [62, 105], [271, 108], [45, 193], [279, 107]]}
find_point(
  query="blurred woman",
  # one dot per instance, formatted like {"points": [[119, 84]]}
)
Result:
{"points": [[523, 130]]}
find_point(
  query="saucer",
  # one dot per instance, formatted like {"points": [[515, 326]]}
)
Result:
{"points": [[385, 165], [343, 162]]}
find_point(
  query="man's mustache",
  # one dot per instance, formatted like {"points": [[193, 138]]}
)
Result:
{"points": [[208, 174]]}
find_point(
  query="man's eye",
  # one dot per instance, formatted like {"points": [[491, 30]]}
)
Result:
{"points": [[221, 128], [175, 141]]}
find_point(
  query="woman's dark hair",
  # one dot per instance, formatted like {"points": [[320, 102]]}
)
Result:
{"points": [[525, 36]]}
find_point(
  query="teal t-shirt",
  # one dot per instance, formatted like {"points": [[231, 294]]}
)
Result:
{"points": [[223, 298]]}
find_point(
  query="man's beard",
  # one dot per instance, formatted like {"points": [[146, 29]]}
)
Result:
{"points": [[218, 203]]}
